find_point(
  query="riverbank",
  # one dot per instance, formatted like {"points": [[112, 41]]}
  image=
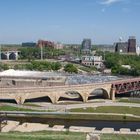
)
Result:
{"points": [[99, 124], [44, 135], [62, 136], [98, 113], [70, 116], [109, 109]]}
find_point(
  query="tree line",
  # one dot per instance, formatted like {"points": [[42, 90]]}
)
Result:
{"points": [[41, 66], [114, 61], [35, 53]]}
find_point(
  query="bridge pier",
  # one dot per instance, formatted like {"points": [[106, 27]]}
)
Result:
{"points": [[16, 55], [7, 54], [84, 96], [20, 100], [54, 99], [84, 100], [112, 94]]}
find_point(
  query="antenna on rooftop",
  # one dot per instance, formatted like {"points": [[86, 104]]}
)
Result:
{"points": [[120, 39]]}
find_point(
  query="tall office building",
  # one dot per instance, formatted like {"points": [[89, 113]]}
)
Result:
{"points": [[86, 46], [132, 44], [126, 47], [121, 47]]}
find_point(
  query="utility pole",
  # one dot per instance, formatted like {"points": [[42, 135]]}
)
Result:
{"points": [[41, 52], [104, 55]]}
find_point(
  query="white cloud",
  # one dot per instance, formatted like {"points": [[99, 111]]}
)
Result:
{"points": [[109, 2]]}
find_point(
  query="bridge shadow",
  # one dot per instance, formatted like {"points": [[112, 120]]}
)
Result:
{"points": [[98, 94], [123, 95], [41, 99], [8, 101], [133, 94], [94, 98], [71, 96], [69, 99]]}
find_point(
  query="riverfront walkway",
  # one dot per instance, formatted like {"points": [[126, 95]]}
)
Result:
{"points": [[63, 108]]}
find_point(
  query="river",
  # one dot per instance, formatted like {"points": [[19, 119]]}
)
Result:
{"points": [[99, 125]]}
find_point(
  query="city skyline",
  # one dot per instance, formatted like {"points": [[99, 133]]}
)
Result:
{"points": [[104, 21]]}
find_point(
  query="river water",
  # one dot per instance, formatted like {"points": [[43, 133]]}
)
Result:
{"points": [[99, 125]]}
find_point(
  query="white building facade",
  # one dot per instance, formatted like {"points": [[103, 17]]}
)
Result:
{"points": [[96, 61]]}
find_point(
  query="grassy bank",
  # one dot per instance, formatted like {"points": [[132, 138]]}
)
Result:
{"points": [[120, 137], [129, 101], [42, 136], [93, 117], [61, 136], [110, 109], [12, 108], [72, 117]]}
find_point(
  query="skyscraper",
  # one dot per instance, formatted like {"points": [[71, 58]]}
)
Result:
{"points": [[132, 44], [126, 47], [86, 46]]}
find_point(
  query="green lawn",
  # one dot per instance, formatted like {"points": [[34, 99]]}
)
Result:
{"points": [[43, 136], [120, 137], [129, 101], [31, 105], [11, 108], [110, 109]]}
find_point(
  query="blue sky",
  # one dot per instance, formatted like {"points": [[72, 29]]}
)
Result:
{"points": [[69, 21]]}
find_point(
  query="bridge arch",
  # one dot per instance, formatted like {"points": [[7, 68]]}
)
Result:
{"points": [[71, 96], [12, 56], [8, 101], [3, 56], [40, 99], [98, 93]]}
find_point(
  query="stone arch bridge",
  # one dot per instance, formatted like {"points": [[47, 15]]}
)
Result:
{"points": [[10, 55], [54, 93]]}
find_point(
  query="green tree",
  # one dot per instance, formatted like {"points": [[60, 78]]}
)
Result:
{"points": [[3, 67], [56, 66], [29, 53], [70, 68]]}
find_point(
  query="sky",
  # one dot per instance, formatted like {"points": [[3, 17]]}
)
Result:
{"points": [[69, 21]]}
